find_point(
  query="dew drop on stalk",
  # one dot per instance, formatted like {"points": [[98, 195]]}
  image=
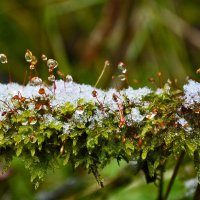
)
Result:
{"points": [[122, 77], [32, 67], [124, 71], [44, 57], [28, 56], [34, 60], [122, 67], [52, 64], [3, 58], [51, 78], [36, 81], [69, 79]]}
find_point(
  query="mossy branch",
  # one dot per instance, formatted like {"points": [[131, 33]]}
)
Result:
{"points": [[88, 127]]}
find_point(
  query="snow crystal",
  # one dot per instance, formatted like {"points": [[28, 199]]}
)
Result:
{"points": [[134, 116], [66, 127], [136, 95], [2, 117], [184, 124], [97, 118], [109, 99], [191, 93], [159, 91], [72, 92], [48, 118], [182, 121]]}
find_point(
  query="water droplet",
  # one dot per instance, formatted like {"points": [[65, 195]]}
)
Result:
{"points": [[124, 71], [32, 67], [34, 60], [28, 56], [69, 79], [122, 67], [122, 77], [52, 64], [36, 81], [3, 58], [44, 57], [51, 78]]}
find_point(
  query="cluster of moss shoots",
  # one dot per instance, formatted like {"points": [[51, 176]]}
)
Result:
{"points": [[92, 144]]}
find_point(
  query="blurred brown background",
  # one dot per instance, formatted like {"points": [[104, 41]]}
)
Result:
{"points": [[148, 36]]}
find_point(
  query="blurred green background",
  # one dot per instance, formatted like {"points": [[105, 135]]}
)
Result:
{"points": [[148, 36]]}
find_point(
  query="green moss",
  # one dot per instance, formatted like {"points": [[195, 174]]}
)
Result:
{"points": [[93, 145]]}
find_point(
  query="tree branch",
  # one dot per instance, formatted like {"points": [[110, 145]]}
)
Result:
{"points": [[178, 164]]}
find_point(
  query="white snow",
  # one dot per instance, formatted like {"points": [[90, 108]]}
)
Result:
{"points": [[191, 93], [72, 92]]}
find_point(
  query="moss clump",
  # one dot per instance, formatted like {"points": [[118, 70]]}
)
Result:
{"points": [[85, 128]]}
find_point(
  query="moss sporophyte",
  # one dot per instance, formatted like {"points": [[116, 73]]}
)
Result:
{"points": [[86, 126]]}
